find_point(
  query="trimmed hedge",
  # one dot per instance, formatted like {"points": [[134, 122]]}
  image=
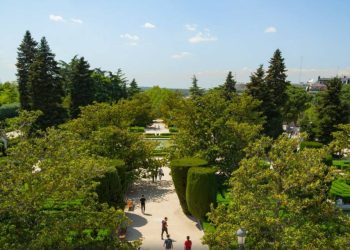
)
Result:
{"points": [[137, 129], [173, 130], [310, 144], [112, 185], [341, 163], [339, 188], [179, 169], [9, 111], [200, 191]]}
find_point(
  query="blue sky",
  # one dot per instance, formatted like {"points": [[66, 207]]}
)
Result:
{"points": [[165, 42]]}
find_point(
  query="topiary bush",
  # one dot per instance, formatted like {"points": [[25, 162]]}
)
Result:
{"points": [[179, 169], [201, 191], [310, 144], [112, 185]]}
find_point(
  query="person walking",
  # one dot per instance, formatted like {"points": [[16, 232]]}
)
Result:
{"points": [[168, 243], [143, 203], [160, 173], [188, 243], [164, 226]]}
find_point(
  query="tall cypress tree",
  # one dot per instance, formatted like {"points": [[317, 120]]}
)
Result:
{"points": [[47, 92], [82, 86], [195, 90], [25, 56], [229, 87], [133, 89]]}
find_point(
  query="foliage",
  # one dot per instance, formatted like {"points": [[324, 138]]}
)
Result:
{"points": [[310, 144], [195, 90], [179, 169], [229, 87], [140, 107], [48, 197], [133, 88], [46, 87], [173, 130], [283, 205], [341, 141], [297, 102], [331, 110], [25, 57], [9, 111], [8, 93], [341, 163], [137, 129], [200, 191], [339, 188], [82, 89], [215, 129]]}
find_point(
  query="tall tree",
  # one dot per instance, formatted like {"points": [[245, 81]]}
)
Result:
{"points": [[133, 88], [25, 56], [331, 110], [47, 92], [276, 78], [229, 87], [82, 88], [195, 90]]}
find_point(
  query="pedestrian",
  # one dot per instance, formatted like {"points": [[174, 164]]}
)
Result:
{"points": [[160, 173], [188, 243], [168, 243], [164, 226], [143, 203]]}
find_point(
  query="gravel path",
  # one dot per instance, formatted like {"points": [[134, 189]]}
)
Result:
{"points": [[161, 201]]}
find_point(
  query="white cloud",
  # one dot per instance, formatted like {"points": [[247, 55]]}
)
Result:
{"points": [[271, 29], [149, 26], [75, 20], [191, 27], [180, 55], [202, 37], [56, 18], [132, 39]]}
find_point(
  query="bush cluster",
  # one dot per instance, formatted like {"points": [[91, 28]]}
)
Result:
{"points": [[310, 144], [137, 129], [9, 111]]}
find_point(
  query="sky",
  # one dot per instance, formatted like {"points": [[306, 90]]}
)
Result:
{"points": [[166, 42]]}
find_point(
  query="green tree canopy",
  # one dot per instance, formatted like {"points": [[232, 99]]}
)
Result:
{"points": [[195, 90]]}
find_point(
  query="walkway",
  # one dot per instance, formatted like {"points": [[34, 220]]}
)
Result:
{"points": [[161, 202]]}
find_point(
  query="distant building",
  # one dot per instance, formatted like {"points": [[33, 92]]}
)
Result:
{"points": [[320, 85]]}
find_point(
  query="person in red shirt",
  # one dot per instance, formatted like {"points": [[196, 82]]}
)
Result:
{"points": [[188, 243]]}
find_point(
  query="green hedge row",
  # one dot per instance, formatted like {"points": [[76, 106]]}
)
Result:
{"points": [[179, 170], [200, 191], [339, 188], [173, 130], [113, 185], [310, 144], [9, 111], [341, 163], [137, 129]]}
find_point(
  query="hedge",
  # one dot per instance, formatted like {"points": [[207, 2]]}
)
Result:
{"points": [[137, 129], [112, 185], [310, 144], [173, 130], [179, 169], [339, 188], [341, 163], [200, 191], [9, 111]]}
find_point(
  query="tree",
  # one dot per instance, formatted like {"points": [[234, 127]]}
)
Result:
{"points": [[133, 89], [273, 186], [298, 100], [47, 92], [25, 57], [8, 93], [229, 87], [331, 110], [216, 130], [195, 90], [82, 89]]}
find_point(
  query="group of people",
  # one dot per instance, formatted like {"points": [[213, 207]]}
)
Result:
{"points": [[168, 242]]}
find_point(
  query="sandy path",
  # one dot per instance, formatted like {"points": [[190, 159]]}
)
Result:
{"points": [[161, 201]]}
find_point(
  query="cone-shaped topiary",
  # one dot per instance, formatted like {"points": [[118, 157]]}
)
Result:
{"points": [[179, 169], [201, 191]]}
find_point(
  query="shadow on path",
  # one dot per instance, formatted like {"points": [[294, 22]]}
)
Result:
{"points": [[137, 220], [133, 234], [156, 191]]}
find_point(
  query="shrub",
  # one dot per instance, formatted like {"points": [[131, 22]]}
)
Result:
{"points": [[112, 185], [9, 110], [179, 169], [173, 130], [200, 191], [339, 188], [310, 144], [341, 163], [137, 129]]}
